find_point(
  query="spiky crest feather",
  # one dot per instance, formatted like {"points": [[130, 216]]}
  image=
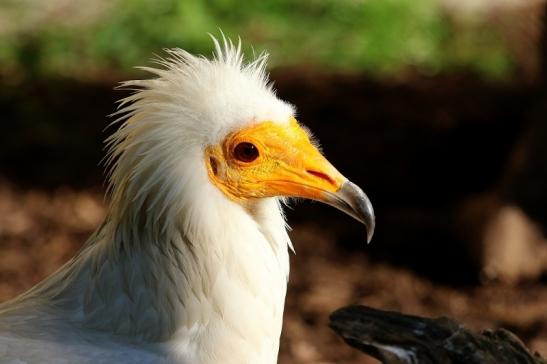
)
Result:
{"points": [[169, 120]]}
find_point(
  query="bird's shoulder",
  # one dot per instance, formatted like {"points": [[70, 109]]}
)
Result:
{"points": [[38, 340], [23, 350]]}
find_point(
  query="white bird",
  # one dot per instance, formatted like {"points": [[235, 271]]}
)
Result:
{"points": [[191, 262]]}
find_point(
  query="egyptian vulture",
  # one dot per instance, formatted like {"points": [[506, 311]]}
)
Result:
{"points": [[191, 262]]}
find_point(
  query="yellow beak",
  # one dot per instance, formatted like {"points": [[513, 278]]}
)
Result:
{"points": [[312, 176], [284, 162]]}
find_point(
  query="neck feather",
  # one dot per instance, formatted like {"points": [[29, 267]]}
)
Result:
{"points": [[155, 286]]}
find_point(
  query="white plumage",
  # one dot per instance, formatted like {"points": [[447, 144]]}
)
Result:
{"points": [[182, 270]]}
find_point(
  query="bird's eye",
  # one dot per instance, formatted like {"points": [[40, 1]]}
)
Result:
{"points": [[246, 152]]}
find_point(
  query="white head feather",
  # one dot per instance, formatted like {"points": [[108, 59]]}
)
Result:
{"points": [[156, 157]]}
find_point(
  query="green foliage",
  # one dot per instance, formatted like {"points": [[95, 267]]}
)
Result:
{"points": [[383, 37]]}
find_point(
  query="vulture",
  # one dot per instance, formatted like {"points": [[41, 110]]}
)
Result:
{"points": [[191, 263]]}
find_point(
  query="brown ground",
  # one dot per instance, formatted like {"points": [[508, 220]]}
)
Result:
{"points": [[40, 230]]}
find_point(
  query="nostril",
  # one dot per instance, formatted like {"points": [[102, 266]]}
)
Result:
{"points": [[321, 175], [214, 166]]}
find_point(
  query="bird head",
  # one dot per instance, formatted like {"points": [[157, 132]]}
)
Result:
{"points": [[218, 123]]}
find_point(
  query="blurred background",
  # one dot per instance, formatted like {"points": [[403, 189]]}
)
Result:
{"points": [[437, 108]]}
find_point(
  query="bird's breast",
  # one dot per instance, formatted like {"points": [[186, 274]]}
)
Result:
{"points": [[237, 297]]}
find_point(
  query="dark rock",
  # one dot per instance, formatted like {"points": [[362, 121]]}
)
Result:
{"points": [[395, 338]]}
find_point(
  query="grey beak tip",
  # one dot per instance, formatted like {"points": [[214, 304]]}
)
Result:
{"points": [[370, 233], [369, 219], [352, 200]]}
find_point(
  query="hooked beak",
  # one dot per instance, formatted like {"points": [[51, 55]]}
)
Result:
{"points": [[354, 202], [287, 164], [308, 174]]}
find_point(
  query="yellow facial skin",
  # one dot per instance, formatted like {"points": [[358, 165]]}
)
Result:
{"points": [[288, 164]]}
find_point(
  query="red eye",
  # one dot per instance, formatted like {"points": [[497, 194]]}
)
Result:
{"points": [[246, 152]]}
